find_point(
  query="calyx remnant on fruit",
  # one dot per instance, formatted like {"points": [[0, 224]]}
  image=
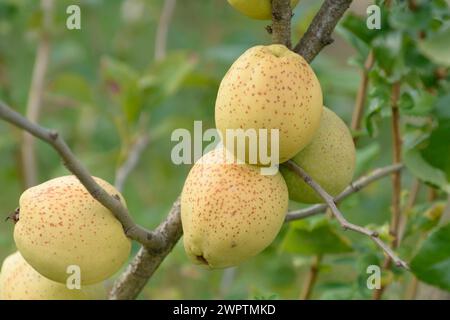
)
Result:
{"points": [[14, 217], [229, 211]]}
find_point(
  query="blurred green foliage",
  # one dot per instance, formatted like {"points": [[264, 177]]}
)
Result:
{"points": [[104, 88]]}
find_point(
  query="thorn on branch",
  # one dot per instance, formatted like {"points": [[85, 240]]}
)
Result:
{"points": [[269, 29]]}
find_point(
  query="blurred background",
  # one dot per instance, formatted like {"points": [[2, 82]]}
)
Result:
{"points": [[136, 71]]}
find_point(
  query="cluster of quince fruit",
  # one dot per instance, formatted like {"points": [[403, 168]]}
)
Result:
{"points": [[60, 228], [230, 211]]}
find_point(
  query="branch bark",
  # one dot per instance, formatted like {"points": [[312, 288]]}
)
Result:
{"points": [[338, 215], [396, 180], [35, 95], [163, 29], [396, 177], [281, 22], [132, 230], [358, 110], [144, 264], [319, 32]]}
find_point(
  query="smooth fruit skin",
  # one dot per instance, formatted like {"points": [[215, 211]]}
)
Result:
{"points": [[256, 9], [271, 87], [230, 212], [61, 224], [19, 281], [329, 159]]}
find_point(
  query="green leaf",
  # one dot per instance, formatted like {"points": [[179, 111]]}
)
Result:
{"points": [[424, 171], [379, 96], [401, 17], [390, 52], [416, 102], [354, 30], [437, 152], [336, 291], [315, 236], [437, 46], [432, 262], [165, 77], [357, 26], [73, 86], [423, 218], [122, 84], [365, 156]]}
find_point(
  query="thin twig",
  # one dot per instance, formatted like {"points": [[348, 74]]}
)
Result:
{"points": [[396, 181], [52, 137], [358, 110], [163, 29], [311, 278], [131, 161], [413, 194], [319, 32], [340, 218], [411, 292], [397, 153], [354, 187], [35, 94], [432, 194], [281, 22]]}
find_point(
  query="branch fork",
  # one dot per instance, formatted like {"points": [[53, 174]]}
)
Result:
{"points": [[330, 202]]}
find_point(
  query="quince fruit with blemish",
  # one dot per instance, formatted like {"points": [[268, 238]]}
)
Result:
{"points": [[229, 211], [256, 9], [60, 224], [19, 281]]}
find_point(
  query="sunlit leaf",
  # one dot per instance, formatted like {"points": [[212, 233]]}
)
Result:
{"points": [[314, 236], [165, 77], [424, 171], [437, 47], [121, 81]]}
